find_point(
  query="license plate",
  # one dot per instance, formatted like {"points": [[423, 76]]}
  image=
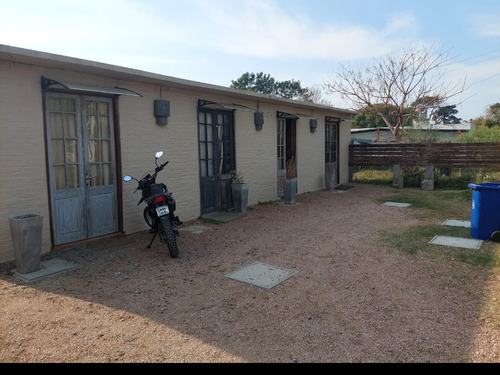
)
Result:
{"points": [[162, 211]]}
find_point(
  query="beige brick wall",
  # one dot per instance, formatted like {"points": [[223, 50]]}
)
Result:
{"points": [[23, 185], [23, 180], [141, 138]]}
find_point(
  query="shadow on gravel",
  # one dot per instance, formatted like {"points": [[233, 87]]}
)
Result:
{"points": [[351, 301]]}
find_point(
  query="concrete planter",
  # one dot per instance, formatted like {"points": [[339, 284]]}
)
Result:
{"points": [[26, 232], [330, 181], [290, 190], [240, 196]]}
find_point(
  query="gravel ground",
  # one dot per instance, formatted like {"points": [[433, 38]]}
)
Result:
{"points": [[352, 300]]}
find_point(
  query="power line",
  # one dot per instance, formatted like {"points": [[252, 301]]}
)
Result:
{"points": [[497, 52], [484, 54], [485, 79]]}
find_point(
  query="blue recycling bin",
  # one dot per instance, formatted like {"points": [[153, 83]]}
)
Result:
{"points": [[485, 213]]}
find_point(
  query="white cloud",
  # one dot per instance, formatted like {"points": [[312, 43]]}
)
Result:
{"points": [[255, 28], [263, 29], [215, 41], [485, 25], [482, 86]]}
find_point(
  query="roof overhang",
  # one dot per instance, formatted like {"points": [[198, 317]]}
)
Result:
{"points": [[49, 82], [208, 103], [281, 114], [118, 73], [306, 116]]}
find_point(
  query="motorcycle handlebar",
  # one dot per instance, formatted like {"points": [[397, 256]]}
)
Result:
{"points": [[159, 168]]}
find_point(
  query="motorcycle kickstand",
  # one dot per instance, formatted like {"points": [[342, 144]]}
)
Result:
{"points": [[154, 236]]}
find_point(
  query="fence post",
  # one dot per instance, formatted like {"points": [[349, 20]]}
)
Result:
{"points": [[428, 181], [397, 179]]}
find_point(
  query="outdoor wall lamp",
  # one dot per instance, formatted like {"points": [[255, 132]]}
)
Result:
{"points": [[161, 111], [258, 117], [313, 124]]}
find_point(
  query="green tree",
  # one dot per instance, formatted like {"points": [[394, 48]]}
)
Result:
{"points": [[492, 117], [425, 107], [480, 134], [446, 115], [265, 84], [366, 118], [259, 82]]}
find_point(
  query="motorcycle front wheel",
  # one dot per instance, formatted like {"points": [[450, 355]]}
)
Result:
{"points": [[167, 236]]}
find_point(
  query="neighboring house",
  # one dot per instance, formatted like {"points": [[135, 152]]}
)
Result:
{"points": [[70, 129], [443, 133]]}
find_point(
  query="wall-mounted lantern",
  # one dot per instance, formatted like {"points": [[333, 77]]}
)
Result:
{"points": [[258, 117], [161, 111], [313, 124]]}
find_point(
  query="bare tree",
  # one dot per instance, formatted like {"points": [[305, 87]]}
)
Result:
{"points": [[397, 88]]}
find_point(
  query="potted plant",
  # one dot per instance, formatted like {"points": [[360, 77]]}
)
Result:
{"points": [[239, 189], [26, 232]]}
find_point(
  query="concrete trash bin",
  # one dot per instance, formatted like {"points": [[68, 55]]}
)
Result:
{"points": [[485, 213]]}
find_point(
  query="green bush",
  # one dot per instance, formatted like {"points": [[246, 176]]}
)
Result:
{"points": [[454, 179]]}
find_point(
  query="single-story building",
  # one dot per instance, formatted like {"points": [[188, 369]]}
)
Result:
{"points": [[71, 128]]}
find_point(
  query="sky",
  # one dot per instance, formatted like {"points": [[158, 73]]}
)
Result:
{"points": [[216, 41]]}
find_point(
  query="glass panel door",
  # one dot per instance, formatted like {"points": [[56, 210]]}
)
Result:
{"points": [[216, 154], [82, 170], [331, 149]]}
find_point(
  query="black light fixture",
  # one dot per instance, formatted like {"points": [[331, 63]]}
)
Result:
{"points": [[161, 111], [313, 124], [258, 117]]}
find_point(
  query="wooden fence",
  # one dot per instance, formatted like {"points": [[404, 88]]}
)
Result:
{"points": [[441, 155]]}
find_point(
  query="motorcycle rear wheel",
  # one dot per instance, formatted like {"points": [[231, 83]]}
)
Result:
{"points": [[167, 236]]}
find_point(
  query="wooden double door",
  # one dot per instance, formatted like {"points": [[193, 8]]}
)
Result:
{"points": [[82, 172]]}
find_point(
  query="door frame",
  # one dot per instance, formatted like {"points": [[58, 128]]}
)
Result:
{"points": [[332, 143], [286, 141], [216, 158], [81, 97]]}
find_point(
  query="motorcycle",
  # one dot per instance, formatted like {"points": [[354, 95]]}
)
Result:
{"points": [[160, 208]]}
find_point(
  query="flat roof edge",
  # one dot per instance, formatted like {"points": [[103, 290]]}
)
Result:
{"points": [[29, 56]]}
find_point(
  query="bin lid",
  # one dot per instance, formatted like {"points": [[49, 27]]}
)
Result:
{"points": [[485, 186]]}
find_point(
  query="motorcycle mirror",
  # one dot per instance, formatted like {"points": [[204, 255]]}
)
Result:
{"points": [[127, 178], [158, 154]]}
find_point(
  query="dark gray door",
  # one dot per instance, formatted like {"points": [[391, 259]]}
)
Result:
{"points": [[286, 142], [80, 144], [216, 152], [332, 148]]}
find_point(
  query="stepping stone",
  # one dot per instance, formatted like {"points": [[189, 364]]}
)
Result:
{"points": [[456, 242], [457, 223], [262, 275], [396, 204]]}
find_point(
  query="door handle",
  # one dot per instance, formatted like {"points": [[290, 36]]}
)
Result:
{"points": [[88, 179]]}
